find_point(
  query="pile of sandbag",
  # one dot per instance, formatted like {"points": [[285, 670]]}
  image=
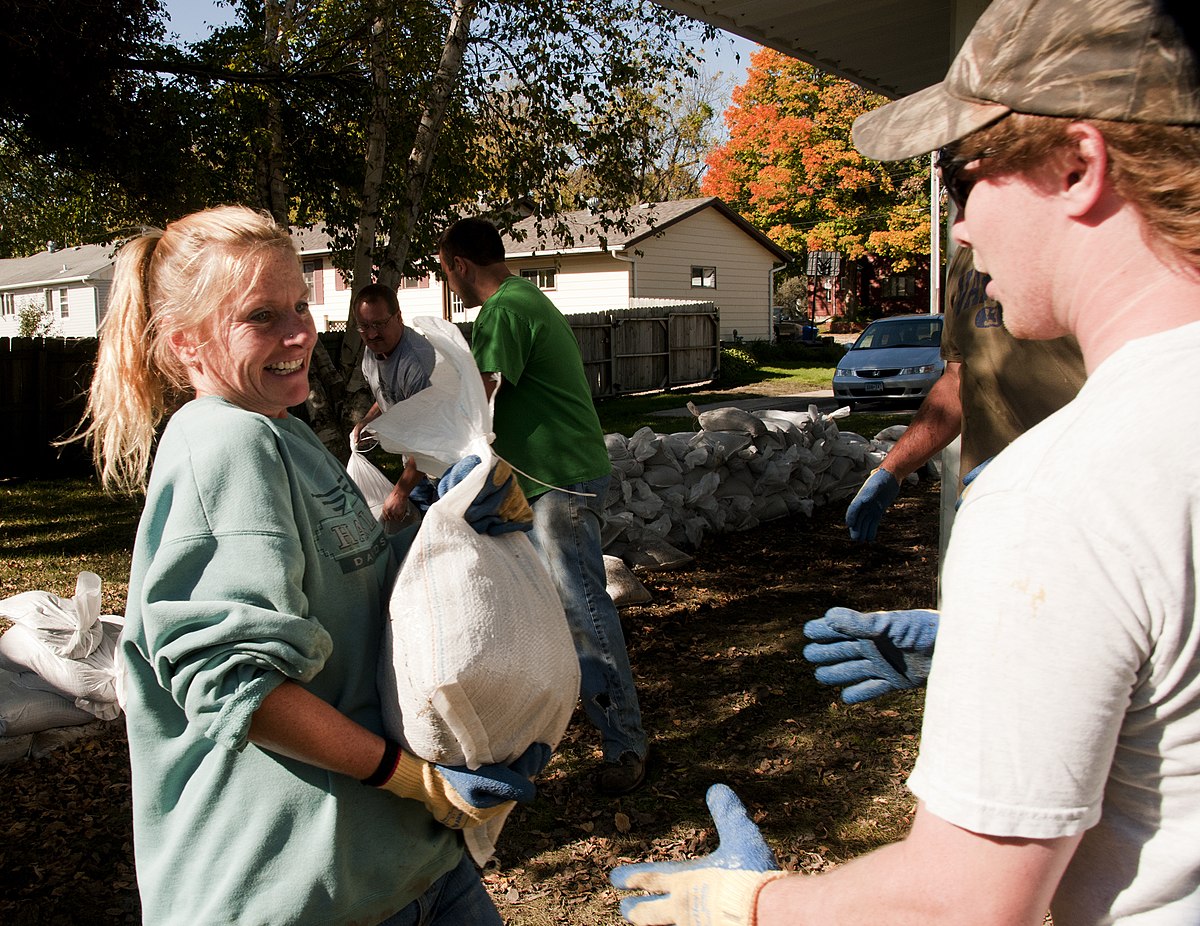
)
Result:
{"points": [[58, 667], [739, 469]]}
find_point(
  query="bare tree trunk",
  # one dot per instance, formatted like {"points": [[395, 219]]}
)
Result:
{"points": [[420, 160], [273, 187]]}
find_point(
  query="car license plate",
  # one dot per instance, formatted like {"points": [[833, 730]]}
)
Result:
{"points": [[874, 387]]}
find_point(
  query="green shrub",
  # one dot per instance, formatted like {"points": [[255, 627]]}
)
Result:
{"points": [[737, 367], [819, 352]]}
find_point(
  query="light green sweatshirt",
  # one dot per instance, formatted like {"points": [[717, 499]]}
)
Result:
{"points": [[257, 560]]}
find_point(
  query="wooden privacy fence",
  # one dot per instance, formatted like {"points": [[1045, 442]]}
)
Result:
{"points": [[42, 387], [644, 349]]}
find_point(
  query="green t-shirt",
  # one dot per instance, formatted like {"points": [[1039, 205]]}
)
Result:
{"points": [[257, 560], [545, 421]]}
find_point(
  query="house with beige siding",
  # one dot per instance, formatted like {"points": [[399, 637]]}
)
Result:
{"points": [[69, 286], [688, 251]]}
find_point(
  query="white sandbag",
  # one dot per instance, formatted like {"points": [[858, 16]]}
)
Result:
{"points": [[657, 554], [90, 682], [892, 433], [624, 588], [728, 419], [68, 627], [660, 475], [478, 661], [29, 710], [644, 444]]}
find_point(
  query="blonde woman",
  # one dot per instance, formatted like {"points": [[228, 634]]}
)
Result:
{"points": [[263, 790]]}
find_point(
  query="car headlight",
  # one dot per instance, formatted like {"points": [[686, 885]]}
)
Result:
{"points": [[928, 368], [844, 371]]}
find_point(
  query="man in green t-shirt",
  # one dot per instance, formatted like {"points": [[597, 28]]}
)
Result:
{"points": [[547, 428]]}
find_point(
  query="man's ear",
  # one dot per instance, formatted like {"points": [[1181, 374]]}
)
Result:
{"points": [[1082, 174]]}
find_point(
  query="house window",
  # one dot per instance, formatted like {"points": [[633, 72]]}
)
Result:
{"points": [[541, 277], [415, 283], [7, 305], [64, 305], [458, 311], [704, 277], [903, 285], [314, 278]]}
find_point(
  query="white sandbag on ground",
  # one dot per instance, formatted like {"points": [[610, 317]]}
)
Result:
{"points": [[67, 627], [24, 709], [91, 682], [623, 587]]}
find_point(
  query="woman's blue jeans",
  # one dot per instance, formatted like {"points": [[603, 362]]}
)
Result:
{"points": [[566, 533], [457, 898]]}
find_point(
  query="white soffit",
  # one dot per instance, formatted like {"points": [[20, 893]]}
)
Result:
{"points": [[894, 47]]}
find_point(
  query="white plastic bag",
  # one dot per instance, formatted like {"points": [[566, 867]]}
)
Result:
{"points": [[370, 479], [67, 627], [92, 682]]}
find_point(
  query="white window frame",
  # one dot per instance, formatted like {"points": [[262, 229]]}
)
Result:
{"points": [[545, 278], [704, 277], [64, 303]]}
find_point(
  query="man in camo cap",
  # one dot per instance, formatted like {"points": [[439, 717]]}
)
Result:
{"points": [[1060, 754]]}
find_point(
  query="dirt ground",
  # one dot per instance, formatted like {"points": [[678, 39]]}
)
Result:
{"points": [[726, 696]]}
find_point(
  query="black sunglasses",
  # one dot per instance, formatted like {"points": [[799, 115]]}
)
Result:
{"points": [[950, 164]]}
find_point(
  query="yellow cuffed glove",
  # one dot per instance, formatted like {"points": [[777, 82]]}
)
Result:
{"points": [[720, 889], [456, 796]]}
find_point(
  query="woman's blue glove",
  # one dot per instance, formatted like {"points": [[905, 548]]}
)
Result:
{"points": [[866, 511], [500, 507], [718, 890], [873, 653], [458, 796]]}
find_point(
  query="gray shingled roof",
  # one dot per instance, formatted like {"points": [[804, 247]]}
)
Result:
{"points": [[62, 266], [587, 231]]}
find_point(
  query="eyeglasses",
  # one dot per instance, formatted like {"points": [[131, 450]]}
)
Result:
{"points": [[950, 164], [372, 327]]}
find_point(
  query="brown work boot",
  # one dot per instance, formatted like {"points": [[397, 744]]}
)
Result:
{"points": [[627, 774]]}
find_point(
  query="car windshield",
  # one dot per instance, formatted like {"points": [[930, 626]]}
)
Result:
{"points": [[917, 332]]}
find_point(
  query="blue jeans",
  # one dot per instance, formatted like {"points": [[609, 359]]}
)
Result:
{"points": [[566, 534], [457, 898]]}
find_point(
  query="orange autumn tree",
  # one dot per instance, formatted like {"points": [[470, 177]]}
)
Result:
{"points": [[791, 168]]}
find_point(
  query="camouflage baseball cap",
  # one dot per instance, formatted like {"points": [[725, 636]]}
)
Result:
{"points": [[1123, 60]]}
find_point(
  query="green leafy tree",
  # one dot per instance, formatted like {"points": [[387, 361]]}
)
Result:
{"points": [[35, 321], [380, 122]]}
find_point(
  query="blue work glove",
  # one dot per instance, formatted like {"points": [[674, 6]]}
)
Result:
{"points": [[866, 511], [500, 507], [872, 653], [718, 890], [460, 797]]}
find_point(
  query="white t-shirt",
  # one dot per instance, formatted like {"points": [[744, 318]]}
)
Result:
{"points": [[1065, 692]]}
